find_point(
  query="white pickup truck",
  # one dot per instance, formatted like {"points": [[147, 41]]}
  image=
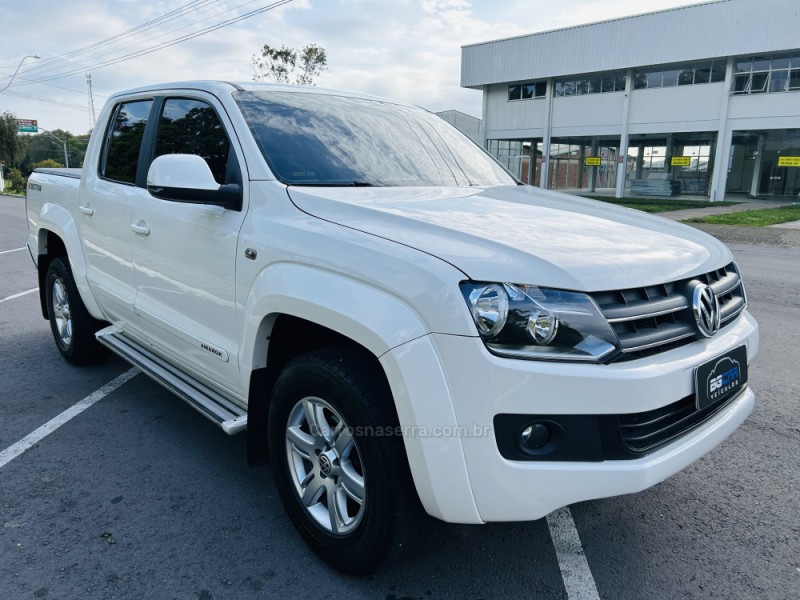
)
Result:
{"points": [[400, 326]]}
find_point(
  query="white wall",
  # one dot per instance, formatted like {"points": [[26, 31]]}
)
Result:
{"points": [[592, 114], [765, 111], [515, 119], [673, 109]]}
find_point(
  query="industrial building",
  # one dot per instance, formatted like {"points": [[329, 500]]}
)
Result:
{"points": [[701, 101]]}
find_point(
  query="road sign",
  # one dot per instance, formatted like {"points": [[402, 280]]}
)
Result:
{"points": [[27, 125]]}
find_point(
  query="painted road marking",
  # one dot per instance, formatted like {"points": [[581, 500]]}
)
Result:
{"points": [[14, 250], [30, 440], [578, 579], [25, 293]]}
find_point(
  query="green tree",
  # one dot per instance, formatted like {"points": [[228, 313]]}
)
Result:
{"points": [[11, 145], [288, 65], [43, 146]]}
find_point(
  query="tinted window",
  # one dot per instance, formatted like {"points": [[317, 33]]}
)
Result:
{"points": [[193, 127], [125, 140], [319, 139]]}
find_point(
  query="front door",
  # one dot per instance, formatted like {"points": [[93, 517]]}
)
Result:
{"points": [[184, 254]]}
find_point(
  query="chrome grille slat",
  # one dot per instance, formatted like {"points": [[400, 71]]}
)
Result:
{"points": [[657, 318], [726, 285], [732, 309], [631, 312], [664, 342]]}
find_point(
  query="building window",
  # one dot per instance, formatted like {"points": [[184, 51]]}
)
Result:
{"points": [[691, 74], [526, 91], [598, 83], [765, 74]]}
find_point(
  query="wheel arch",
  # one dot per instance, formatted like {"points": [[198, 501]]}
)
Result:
{"points": [[292, 309], [288, 337], [58, 235]]}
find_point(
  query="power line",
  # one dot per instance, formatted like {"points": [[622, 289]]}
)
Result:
{"points": [[50, 100], [47, 63], [168, 44], [53, 85]]}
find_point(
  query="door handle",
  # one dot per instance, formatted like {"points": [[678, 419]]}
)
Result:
{"points": [[86, 209], [140, 228]]}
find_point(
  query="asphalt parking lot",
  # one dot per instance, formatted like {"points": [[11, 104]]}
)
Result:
{"points": [[139, 496]]}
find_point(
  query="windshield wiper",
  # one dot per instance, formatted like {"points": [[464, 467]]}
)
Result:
{"points": [[338, 184]]}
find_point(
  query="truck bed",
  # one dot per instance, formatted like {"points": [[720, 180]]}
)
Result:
{"points": [[72, 173]]}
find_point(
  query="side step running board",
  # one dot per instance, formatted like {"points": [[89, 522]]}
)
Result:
{"points": [[223, 412]]}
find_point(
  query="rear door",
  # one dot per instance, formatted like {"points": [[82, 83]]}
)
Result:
{"points": [[184, 254], [106, 198]]}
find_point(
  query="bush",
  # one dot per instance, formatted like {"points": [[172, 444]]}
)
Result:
{"points": [[18, 181], [47, 163]]}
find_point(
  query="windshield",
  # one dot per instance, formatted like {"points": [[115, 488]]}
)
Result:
{"points": [[320, 139]]}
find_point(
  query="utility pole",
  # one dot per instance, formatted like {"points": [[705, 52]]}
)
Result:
{"points": [[91, 101]]}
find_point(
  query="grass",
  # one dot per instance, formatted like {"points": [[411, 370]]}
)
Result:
{"points": [[656, 205], [753, 218]]}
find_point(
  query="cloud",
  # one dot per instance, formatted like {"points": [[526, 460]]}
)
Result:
{"points": [[409, 50]]}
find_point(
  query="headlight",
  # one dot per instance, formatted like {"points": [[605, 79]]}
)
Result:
{"points": [[531, 322], [489, 307]]}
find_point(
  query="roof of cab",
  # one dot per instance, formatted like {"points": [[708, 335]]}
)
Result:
{"points": [[219, 88]]}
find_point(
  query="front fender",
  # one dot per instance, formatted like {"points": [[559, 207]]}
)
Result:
{"points": [[366, 315], [393, 332], [55, 219]]}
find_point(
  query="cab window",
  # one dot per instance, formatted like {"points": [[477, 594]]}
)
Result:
{"points": [[124, 141], [191, 126]]}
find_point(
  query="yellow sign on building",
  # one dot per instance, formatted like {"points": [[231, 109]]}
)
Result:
{"points": [[789, 161], [592, 161], [681, 161]]}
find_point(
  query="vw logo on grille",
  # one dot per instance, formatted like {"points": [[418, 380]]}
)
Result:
{"points": [[705, 306]]}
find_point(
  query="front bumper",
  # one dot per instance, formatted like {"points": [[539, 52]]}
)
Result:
{"points": [[481, 386]]}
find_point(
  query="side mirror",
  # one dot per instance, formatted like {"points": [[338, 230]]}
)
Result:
{"points": [[188, 178]]}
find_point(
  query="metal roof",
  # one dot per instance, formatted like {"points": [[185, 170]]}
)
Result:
{"points": [[709, 30]]}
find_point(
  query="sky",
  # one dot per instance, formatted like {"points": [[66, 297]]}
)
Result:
{"points": [[408, 50]]}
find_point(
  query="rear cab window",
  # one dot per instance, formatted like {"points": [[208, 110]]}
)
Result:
{"points": [[123, 143]]}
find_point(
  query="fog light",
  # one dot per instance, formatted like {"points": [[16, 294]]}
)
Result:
{"points": [[534, 436]]}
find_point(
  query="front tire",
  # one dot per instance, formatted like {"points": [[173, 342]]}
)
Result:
{"points": [[72, 326], [339, 461]]}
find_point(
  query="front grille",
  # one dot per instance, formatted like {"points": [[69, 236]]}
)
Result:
{"points": [[653, 319], [644, 432]]}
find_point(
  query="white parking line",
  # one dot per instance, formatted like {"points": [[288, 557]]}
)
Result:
{"points": [[30, 440], [25, 293], [578, 579], [14, 250]]}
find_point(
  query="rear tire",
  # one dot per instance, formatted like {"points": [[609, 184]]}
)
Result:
{"points": [[339, 462], [72, 326]]}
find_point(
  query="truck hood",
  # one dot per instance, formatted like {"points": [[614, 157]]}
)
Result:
{"points": [[522, 234]]}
